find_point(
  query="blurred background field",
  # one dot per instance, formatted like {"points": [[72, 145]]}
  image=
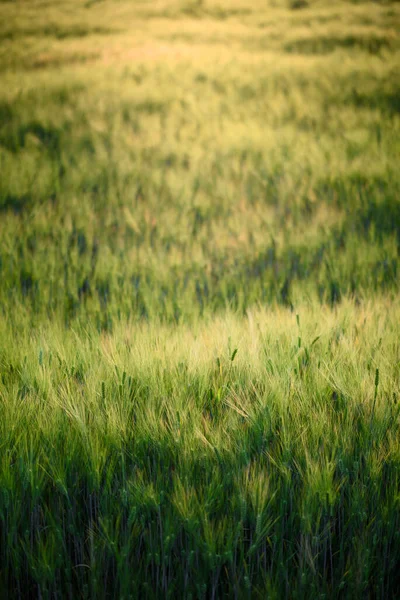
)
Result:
{"points": [[199, 266], [163, 160]]}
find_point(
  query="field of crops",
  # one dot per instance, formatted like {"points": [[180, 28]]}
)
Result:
{"points": [[199, 299]]}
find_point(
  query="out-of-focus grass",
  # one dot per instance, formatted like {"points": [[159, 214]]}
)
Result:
{"points": [[197, 158], [178, 180]]}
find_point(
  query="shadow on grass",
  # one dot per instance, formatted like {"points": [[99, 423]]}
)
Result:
{"points": [[371, 43]]}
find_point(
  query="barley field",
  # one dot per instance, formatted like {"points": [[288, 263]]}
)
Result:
{"points": [[199, 299]]}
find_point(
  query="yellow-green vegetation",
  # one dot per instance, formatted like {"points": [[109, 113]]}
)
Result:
{"points": [[199, 299]]}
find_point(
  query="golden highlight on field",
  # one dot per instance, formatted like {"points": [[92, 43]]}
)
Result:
{"points": [[199, 299]]}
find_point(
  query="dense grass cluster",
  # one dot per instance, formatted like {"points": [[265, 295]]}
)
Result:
{"points": [[199, 299], [158, 462]]}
